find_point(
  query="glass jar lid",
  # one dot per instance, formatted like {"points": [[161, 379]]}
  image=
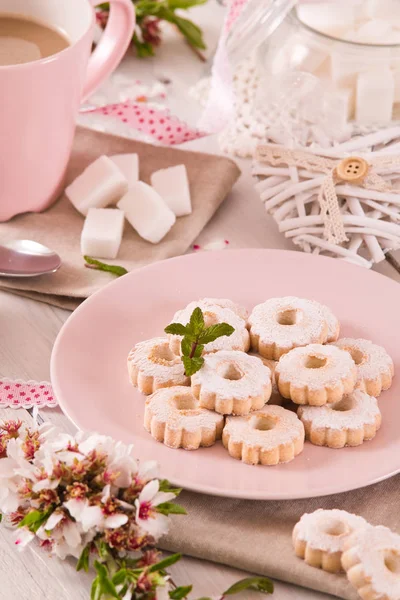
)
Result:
{"points": [[255, 23]]}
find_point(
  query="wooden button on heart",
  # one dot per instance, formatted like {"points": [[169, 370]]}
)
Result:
{"points": [[352, 169]]}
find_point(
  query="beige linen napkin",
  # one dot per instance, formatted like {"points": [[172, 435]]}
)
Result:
{"points": [[59, 228], [256, 536]]}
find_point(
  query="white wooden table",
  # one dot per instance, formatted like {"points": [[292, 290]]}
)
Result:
{"points": [[28, 330]]}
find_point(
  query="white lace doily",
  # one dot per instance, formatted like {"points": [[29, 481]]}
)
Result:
{"points": [[294, 110]]}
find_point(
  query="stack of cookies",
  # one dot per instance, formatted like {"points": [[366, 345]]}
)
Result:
{"points": [[283, 376], [337, 541]]}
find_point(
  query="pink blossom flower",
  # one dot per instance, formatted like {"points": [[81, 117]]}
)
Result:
{"points": [[9, 497], [24, 537], [94, 516], [121, 466], [11, 428], [93, 487], [66, 536], [147, 517]]}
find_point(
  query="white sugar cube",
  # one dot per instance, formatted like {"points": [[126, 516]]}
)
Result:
{"points": [[345, 68], [297, 53], [100, 185], [375, 96], [147, 212], [340, 109], [329, 17], [173, 186], [128, 164], [102, 232], [306, 56]]}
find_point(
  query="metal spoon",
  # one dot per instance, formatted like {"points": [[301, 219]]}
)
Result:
{"points": [[24, 258]]}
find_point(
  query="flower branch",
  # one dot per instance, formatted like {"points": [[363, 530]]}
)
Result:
{"points": [[88, 497], [150, 14]]}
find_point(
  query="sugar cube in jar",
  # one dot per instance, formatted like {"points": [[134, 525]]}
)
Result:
{"points": [[345, 45]]}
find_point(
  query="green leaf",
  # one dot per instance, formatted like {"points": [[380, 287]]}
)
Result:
{"points": [[95, 592], [1, 517], [143, 49], [180, 592], [196, 323], [199, 351], [184, 4], [123, 590], [119, 577], [93, 589], [30, 518], [186, 346], [192, 365], [192, 33], [261, 584], [83, 562], [148, 7], [103, 550], [176, 329], [106, 585], [101, 569], [165, 563], [169, 508], [216, 331], [100, 266], [35, 519], [165, 486]]}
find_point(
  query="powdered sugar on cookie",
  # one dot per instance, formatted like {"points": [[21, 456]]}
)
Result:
{"points": [[375, 367], [327, 530], [239, 340], [315, 374], [372, 559], [280, 324], [352, 412], [173, 416], [232, 382], [268, 436], [239, 310], [152, 364]]}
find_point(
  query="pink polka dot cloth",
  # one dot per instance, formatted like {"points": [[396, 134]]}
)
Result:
{"points": [[26, 394], [160, 124], [235, 9]]}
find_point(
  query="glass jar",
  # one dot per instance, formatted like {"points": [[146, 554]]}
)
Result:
{"points": [[358, 81]]}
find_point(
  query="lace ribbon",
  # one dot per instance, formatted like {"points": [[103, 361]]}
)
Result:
{"points": [[26, 394], [334, 232]]}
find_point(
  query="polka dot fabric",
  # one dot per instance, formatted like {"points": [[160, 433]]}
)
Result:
{"points": [[26, 394], [236, 7], [160, 124]]}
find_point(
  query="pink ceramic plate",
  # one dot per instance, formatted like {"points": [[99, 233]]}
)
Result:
{"points": [[90, 377]]}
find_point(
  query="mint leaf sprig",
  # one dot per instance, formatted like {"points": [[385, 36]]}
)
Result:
{"points": [[195, 336], [92, 263]]}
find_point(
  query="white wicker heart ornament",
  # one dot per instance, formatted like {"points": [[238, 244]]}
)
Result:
{"points": [[342, 206]]}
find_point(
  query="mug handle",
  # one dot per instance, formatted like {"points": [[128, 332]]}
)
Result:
{"points": [[113, 44]]}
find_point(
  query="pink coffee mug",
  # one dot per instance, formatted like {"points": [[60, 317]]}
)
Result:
{"points": [[40, 100]]}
